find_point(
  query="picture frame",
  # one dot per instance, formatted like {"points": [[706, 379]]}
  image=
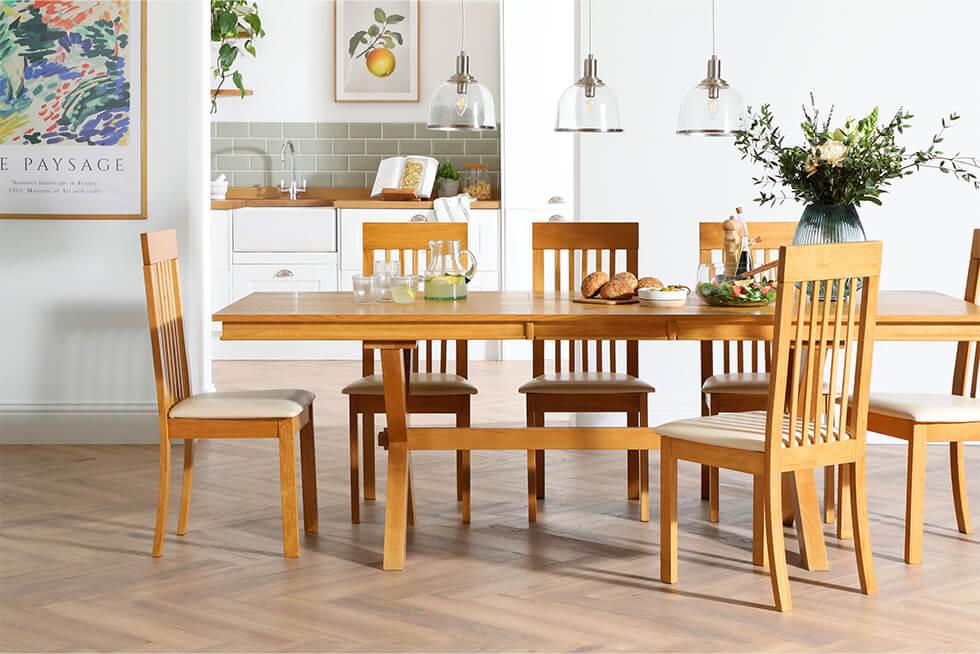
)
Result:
{"points": [[377, 59], [73, 144]]}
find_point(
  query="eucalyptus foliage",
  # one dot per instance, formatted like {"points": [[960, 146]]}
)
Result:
{"points": [[235, 25], [848, 165]]}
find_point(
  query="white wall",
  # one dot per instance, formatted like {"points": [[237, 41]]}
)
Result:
{"points": [[292, 75], [75, 348], [854, 54]]}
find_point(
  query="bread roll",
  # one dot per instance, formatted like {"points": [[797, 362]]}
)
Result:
{"points": [[592, 283]]}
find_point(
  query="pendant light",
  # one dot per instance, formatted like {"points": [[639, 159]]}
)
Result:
{"points": [[712, 108], [588, 105], [461, 103]]}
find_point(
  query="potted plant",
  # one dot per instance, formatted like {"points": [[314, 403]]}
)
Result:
{"points": [[448, 180], [838, 169], [235, 24]]}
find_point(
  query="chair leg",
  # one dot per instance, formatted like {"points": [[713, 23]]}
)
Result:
{"points": [[668, 513], [355, 484], [287, 491], [367, 439], [411, 493], [307, 457], [632, 462], [829, 489], [862, 535], [532, 486], [539, 464], [185, 487], [713, 499], [161, 524], [644, 485], [958, 476], [844, 527], [789, 500], [463, 466], [809, 527], [705, 482], [774, 540], [759, 521], [914, 496]]}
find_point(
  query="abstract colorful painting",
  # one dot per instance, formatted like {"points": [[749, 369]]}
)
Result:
{"points": [[376, 50], [71, 105]]}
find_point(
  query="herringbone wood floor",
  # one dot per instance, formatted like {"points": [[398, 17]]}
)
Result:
{"points": [[76, 528]]}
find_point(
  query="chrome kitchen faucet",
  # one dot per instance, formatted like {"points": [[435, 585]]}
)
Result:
{"points": [[294, 188]]}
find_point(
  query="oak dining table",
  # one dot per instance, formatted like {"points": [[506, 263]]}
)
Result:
{"points": [[394, 330]]}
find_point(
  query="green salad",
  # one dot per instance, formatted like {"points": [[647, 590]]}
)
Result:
{"points": [[739, 291]]}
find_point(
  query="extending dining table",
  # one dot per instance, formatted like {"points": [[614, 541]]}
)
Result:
{"points": [[394, 330]]}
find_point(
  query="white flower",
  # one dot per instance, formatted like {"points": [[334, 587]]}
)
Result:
{"points": [[832, 152], [810, 165]]}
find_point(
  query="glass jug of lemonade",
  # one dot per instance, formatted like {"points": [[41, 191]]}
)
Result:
{"points": [[446, 278]]}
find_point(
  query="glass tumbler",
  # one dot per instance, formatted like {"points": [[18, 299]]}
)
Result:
{"points": [[365, 289], [404, 289], [384, 272]]}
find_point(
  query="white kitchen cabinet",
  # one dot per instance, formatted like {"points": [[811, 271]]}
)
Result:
{"points": [[250, 278]]}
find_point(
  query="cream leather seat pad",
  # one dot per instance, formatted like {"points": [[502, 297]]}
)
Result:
{"points": [[274, 403]]}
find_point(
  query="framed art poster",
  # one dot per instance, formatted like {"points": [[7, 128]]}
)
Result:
{"points": [[376, 50], [73, 109]]}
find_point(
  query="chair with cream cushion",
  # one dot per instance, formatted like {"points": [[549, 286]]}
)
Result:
{"points": [[278, 413], [922, 419], [791, 436], [588, 379], [430, 390]]}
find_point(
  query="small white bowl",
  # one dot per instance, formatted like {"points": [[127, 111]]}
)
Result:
{"points": [[219, 190], [656, 297]]}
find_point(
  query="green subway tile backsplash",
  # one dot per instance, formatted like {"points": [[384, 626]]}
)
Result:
{"points": [[338, 154]]}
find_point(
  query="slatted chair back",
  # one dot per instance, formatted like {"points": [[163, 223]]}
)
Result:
{"points": [[161, 276], [584, 248], [408, 243], [966, 373], [745, 356], [822, 345]]}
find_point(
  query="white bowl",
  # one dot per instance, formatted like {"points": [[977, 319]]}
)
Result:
{"points": [[660, 298], [219, 190]]}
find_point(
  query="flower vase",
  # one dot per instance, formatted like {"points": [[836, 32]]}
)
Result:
{"points": [[830, 223]]}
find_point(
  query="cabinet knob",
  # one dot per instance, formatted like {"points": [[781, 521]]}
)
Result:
{"points": [[556, 199], [418, 218], [557, 218], [284, 273]]}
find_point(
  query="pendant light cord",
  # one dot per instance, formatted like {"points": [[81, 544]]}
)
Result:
{"points": [[462, 32], [712, 28], [590, 26]]}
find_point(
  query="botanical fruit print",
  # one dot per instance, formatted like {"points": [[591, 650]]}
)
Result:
{"points": [[64, 72], [376, 44]]}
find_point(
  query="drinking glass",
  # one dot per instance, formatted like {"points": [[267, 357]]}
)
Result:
{"points": [[404, 288], [365, 289], [384, 271]]}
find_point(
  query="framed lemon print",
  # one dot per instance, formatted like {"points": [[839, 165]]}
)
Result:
{"points": [[376, 50]]}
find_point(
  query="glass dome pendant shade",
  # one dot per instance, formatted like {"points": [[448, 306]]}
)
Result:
{"points": [[588, 105], [461, 102], [712, 108]]}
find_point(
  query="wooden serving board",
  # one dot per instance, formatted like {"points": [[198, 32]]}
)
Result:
{"points": [[600, 300]]}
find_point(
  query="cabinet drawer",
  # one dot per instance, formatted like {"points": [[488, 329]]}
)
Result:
{"points": [[290, 229], [282, 277]]}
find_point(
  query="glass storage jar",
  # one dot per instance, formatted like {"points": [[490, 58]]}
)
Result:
{"points": [[475, 181]]}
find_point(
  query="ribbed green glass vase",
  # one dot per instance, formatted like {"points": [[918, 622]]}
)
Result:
{"points": [[830, 223]]}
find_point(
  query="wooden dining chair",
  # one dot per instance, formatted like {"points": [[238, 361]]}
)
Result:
{"points": [[801, 428], [743, 380], [920, 419], [588, 380], [277, 413], [432, 389]]}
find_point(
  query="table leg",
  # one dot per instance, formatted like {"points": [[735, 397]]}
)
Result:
{"points": [[396, 494]]}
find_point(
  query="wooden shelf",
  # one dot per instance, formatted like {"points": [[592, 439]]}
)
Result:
{"points": [[227, 93]]}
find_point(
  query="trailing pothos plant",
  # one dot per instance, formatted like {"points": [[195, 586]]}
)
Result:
{"points": [[848, 165], [235, 25]]}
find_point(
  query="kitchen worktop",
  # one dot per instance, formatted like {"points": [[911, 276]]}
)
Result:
{"points": [[341, 198]]}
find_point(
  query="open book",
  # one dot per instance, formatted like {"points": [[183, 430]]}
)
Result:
{"points": [[415, 173]]}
